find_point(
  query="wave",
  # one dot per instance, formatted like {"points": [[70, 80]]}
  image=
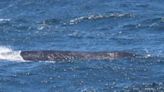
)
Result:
{"points": [[4, 20], [100, 16], [9, 54]]}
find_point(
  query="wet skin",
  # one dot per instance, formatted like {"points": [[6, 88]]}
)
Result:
{"points": [[72, 55]]}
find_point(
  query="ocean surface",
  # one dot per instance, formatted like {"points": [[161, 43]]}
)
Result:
{"points": [[135, 26]]}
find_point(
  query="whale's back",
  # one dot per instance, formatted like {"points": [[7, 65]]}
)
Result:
{"points": [[70, 55]]}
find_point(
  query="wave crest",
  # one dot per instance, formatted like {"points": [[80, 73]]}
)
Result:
{"points": [[100, 16]]}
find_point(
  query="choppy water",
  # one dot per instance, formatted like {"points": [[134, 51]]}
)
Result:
{"points": [[83, 25]]}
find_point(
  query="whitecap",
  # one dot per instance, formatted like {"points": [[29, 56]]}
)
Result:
{"points": [[99, 16], [4, 20], [9, 54]]}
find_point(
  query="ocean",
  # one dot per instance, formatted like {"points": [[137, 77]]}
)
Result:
{"points": [[135, 26]]}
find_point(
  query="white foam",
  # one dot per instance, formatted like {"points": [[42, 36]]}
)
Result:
{"points": [[4, 20], [9, 54]]}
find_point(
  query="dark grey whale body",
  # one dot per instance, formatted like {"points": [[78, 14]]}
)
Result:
{"points": [[49, 55]]}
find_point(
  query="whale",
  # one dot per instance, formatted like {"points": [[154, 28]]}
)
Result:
{"points": [[52, 55]]}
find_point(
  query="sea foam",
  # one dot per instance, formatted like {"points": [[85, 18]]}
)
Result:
{"points": [[9, 54]]}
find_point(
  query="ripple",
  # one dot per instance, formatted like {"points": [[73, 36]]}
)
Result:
{"points": [[156, 23], [132, 26], [150, 87], [4, 22], [87, 89], [142, 5], [47, 23], [50, 21], [154, 20]]}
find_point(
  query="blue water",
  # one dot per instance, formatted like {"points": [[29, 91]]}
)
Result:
{"points": [[135, 26]]}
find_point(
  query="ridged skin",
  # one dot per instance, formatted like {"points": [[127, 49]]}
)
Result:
{"points": [[71, 55]]}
